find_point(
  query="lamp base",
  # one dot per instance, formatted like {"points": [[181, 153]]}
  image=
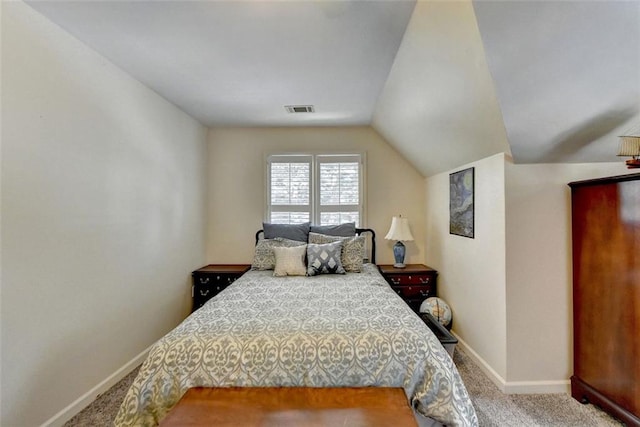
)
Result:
{"points": [[398, 254]]}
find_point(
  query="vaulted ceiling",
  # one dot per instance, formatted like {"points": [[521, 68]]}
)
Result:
{"points": [[445, 82]]}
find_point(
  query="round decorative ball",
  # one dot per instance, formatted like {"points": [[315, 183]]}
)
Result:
{"points": [[438, 309]]}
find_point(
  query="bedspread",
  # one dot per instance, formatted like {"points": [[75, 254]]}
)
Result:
{"points": [[325, 331]]}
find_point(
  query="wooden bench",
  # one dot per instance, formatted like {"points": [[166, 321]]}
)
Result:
{"points": [[292, 406]]}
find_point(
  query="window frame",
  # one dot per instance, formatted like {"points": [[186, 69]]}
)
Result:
{"points": [[315, 159]]}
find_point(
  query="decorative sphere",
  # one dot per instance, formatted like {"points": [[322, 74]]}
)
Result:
{"points": [[438, 309]]}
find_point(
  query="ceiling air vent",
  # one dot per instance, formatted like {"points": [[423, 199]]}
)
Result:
{"points": [[299, 108]]}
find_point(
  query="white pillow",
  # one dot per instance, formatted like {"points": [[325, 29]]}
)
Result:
{"points": [[290, 261]]}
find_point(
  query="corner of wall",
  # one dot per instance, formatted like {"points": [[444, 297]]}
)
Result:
{"points": [[472, 271]]}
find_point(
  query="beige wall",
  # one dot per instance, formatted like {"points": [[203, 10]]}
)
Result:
{"points": [[510, 287], [539, 301], [102, 217], [237, 185], [472, 271]]}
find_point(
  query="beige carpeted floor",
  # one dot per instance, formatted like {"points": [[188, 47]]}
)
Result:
{"points": [[493, 407]]}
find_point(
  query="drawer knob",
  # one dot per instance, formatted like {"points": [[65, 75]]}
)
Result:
{"points": [[424, 293], [395, 281], [204, 292], [217, 277], [204, 280], [424, 280]]}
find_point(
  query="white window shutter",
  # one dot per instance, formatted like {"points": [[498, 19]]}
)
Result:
{"points": [[340, 188], [289, 189], [323, 189]]}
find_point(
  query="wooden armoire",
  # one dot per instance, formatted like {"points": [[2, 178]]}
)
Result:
{"points": [[606, 294]]}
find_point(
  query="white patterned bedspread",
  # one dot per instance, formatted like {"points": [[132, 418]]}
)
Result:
{"points": [[324, 331]]}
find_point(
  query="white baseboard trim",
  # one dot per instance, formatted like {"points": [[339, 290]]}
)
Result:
{"points": [[484, 366], [538, 387], [514, 387], [86, 399]]}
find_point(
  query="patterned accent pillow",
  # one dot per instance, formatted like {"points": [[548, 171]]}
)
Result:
{"points": [[264, 258], [324, 259], [352, 250], [290, 261]]}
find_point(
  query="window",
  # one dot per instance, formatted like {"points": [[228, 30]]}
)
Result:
{"points": [[322, 189]]}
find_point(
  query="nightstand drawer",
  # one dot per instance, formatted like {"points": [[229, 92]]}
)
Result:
{"points": [[415, 291], [410, 279], [220, 280]]}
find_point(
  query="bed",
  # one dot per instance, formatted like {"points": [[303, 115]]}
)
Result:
{"points": [[328, 330]]}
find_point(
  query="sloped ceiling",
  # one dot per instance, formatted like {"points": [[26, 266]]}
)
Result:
{"points": [[567, 75], [546, 81], [438, 107]]}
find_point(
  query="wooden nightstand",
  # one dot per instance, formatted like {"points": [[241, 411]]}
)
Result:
{"points": [[209, 280], [414, 283]]}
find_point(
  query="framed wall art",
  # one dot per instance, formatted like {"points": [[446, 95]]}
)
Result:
{"points": [[461, 201]]}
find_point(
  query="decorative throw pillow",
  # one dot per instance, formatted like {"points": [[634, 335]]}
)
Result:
{"points": [[264, 258], [348, 229], [298, 232], [290, 261], [352, 250], [324, 259]]}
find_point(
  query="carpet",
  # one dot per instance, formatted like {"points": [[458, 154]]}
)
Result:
{"points": [[492, 406]]}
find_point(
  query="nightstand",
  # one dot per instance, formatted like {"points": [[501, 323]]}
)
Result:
{"points": [[414, 283], [209, 280]]}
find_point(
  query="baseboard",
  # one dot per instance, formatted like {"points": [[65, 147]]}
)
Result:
{"points": [[482, 364], [514, 387], [86, 399], [537, 387]]}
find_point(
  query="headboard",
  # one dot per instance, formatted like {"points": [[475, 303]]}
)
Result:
{"points": [[359, 232]]}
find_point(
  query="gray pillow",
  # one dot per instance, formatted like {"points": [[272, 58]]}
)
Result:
{"points": [[299, 232], [324, 259], [352, 250], [347, 229], [264, 258]]}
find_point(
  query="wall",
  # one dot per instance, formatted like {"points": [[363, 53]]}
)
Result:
{"points": [[103, 186], [510, 287], [472, 271], [237, 185], [539, 273]]}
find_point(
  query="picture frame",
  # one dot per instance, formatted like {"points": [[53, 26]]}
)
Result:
{"points": [[461, 203]]}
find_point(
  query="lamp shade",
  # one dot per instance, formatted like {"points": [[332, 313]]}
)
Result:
{"points": [[399, 230], [629, 146]]}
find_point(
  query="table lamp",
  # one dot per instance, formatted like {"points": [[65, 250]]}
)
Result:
{"points": [[399, 231]]}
